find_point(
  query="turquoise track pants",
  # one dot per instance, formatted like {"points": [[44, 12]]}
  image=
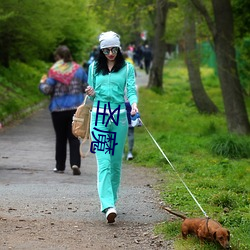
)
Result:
{"points": [[109, 162]]}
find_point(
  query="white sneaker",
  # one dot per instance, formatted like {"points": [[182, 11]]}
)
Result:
{"points": [[111, 214], [129, 156], [58, 171]]}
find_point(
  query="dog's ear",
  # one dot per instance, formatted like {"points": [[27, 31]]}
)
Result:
{"points": [[228, 237], [214, 235]]}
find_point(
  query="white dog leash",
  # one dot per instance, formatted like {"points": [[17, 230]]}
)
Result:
{"points": [[174, 170]]}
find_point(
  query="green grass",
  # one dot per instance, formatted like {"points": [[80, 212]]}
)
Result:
{"points": [[19, 88], [214, 164]]}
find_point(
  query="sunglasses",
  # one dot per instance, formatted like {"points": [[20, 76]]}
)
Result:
{"points": [[106, 51]]}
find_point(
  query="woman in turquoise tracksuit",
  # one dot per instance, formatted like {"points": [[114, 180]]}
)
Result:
{"points": [[108, 77]]}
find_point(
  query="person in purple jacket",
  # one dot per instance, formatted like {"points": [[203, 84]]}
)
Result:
{"points": [[65, 83]]}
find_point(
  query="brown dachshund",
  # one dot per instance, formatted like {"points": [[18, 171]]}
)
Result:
{"points": [[204, 229]]}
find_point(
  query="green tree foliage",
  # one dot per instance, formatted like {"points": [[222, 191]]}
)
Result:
{"points": [[241, 17], [32, 30], [175, 25], [126, 17], [242, 32]]}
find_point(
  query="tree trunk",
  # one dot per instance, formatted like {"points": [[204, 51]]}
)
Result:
{"points": [[159, 47], [235, 109], [201, 99], [223, 38]]}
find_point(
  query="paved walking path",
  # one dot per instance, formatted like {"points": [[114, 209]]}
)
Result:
{"points": [[141, 78], [31, 191], [26, 163]]}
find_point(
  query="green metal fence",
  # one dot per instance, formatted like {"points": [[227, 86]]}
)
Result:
{"points": [[208, 58]]}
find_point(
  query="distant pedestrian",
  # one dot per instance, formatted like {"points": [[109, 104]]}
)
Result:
{"points": [[65, 84], [147, 54], [138, 56], [93, 55]]}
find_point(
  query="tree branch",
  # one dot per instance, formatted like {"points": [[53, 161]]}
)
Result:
{"points": [[202, 9]]}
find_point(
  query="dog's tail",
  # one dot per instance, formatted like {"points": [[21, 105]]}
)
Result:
{"points": [[175, 213]]}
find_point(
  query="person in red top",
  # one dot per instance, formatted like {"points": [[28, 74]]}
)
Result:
{"points": [[66, 83]]}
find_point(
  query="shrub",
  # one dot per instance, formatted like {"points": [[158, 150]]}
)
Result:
{"points": [[231, 146]]}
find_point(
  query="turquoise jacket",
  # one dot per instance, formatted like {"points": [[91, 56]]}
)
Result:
{"points": [[111, 87]]}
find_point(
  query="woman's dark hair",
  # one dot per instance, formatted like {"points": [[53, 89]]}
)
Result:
{"points": [[63, 52], [102, 67]]}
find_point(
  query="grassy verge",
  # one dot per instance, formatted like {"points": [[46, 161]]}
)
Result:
{"points": [[212, 163], [19, 88]]}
